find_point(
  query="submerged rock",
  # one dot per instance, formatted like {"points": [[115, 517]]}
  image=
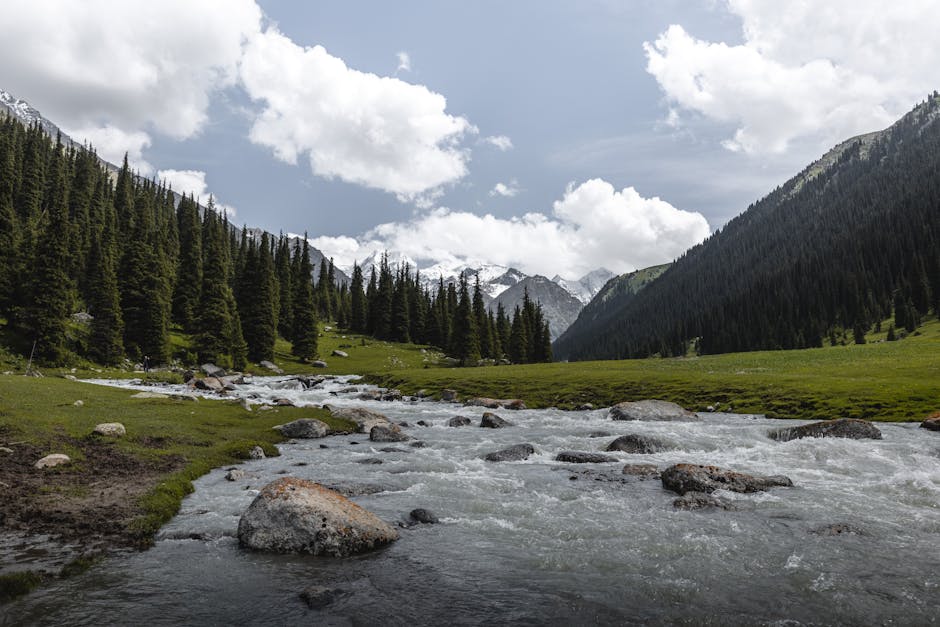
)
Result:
{"points": [[580, 457], [682, 478], [293, 515], [492, 421], [318, 597], [304, 428], [651, 410], [514, 453], [459, 421], [635, 443], [370, 461], [838, 529], [644, 471], [387, 433], [234, 474], [851, 428]]}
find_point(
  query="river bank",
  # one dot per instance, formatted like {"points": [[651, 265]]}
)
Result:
{"points": [[541, 541]]}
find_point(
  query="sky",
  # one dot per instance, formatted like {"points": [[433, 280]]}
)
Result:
{"points": [[553, 136]]}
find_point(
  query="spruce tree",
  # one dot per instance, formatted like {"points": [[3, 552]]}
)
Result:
{"points": [[189, 269], [304, 339], [357, 302], [259, 296], [466, 346], [216, 330], [285, 301]]}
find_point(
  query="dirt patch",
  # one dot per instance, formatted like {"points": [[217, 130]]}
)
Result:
{"points": [[92, 501]]}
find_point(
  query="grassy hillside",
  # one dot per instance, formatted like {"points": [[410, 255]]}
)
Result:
{"points": [[877, 381]]}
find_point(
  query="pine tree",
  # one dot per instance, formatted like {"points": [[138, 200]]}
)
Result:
{"points": [[518, 339], [357, 298], [106, 345], [216, 329], [259, 295], [189, 269], [304, 340], [285, 301], [466, 346], [49, 293], [9, 225]]}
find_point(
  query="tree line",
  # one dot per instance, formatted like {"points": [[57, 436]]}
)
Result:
{"points": [[78, 237]]}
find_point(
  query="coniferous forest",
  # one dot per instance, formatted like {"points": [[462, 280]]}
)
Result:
{"points": [[101, 264], [850, 243]]}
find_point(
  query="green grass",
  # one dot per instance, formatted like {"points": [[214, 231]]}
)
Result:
{"points": [[892, 381], [13, 585], [191, 438]]}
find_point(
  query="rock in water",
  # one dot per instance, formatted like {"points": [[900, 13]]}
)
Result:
{"points": [[211, 370], [683, 478], [318, 597], [304, 428], [514, 453], [364, 418], [459, 421], [448, 396], [56, 459], [110, 429], [480, 401], [256, 452], [423, 517], [634, 443], [851, 428], [644, 471], [234, 474], [387, 433], [298, 516], [698, 500], [580, 457], [492, 421], [651, 410], [932, 423]]}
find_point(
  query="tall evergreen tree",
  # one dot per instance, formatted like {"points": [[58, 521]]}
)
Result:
{"points": [[466, 345], [357, 302], [304, 340]]}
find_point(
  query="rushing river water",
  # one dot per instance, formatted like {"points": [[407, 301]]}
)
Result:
{"points": [[523, 543]]}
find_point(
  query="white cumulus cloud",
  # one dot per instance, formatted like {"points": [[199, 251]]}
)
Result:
{"points": [[823, 71], [500, 142], [593, 225], [111, 144], [113, 72], [506, 190], [375, 131]]}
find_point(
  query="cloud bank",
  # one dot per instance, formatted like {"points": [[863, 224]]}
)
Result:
{"points": [[823, 71], [593, 225]]}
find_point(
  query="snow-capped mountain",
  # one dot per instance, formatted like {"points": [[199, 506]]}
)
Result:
{"points": [[587, 287]]}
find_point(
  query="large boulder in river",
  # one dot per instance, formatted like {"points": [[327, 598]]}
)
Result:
{"points": [[651, 410], [580, 457], [682, 478], [387, 433], [514, 453], [292, 515], [492, 421], [459, 421], [304, 428], [635, 443], [851, 428], [364, 418]]}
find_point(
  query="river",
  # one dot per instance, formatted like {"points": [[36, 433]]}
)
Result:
{"points": [[543, 542]]}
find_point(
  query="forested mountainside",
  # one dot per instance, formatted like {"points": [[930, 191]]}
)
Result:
{"points": [[101, 265], [847, 243], [602, 308]]}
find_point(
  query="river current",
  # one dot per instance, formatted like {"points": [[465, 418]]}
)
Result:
{"points": [[544, 542]]}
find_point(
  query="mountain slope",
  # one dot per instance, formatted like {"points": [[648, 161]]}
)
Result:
{"points": [[559, 307], [848, 242], [604, 306]]}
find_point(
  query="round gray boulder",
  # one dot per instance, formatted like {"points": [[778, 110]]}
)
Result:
{"points": [[298, 516]]}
